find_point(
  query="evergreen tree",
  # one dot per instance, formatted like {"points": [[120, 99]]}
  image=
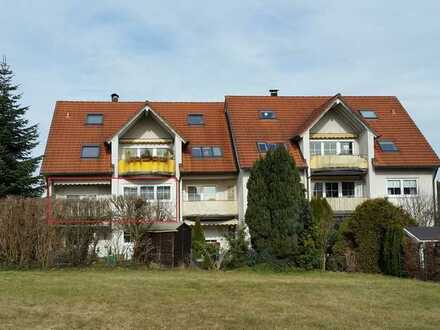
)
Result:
{"points": [[324, 222], [198, 240], [278, 213], [17, 139]]}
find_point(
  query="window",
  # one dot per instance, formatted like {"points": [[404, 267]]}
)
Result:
{"points": [[231, 194], [388, 146], [130, 191], [164, 193], [147, 192], [162, 153], [315, 148], [348, 189], [346, 148], [202, 193], [207, 152], [194, 194], [267, 114], [91, 151], [368, 114], [195, 119], [129, 153], [94, 119], [264, 147], [331, 189], [209, 193], [410, 187], [318, 189], [330, 148], [144, 153], [394, 187], [127, 237]]}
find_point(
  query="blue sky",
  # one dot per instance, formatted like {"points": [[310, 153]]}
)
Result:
{"points": [[203, 50]]}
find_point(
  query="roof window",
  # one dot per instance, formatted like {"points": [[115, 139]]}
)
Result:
{"points": [[268, 114], [368, 114], [195, 119], [90, 151], [95, 119], [264, 147], [388, 146], [207, 152]]}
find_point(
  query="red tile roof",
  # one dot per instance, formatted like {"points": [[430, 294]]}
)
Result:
{"points": [[294, 112], [69, 132]]}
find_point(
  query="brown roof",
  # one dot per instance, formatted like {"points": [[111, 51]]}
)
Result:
{"points": [[69, 132], [294, 112]]}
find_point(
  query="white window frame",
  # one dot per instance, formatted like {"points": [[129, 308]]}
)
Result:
{"points": [[338, 147], [402, 193], [154, 148], [200, 192], [324, 194], [138, 190]]}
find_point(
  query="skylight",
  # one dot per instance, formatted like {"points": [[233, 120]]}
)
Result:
{"points": [[90, 151], [207, 152], [368, 114], [267, 114], [195, 119], [388, 146], [265, 146], [95, 119]]}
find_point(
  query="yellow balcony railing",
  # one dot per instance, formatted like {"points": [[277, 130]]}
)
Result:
{"points": [[142, 166], [338, 161]]}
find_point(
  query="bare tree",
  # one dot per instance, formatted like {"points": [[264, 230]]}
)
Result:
{"points": [[422, 208]]}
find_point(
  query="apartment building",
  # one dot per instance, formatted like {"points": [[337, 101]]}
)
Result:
{"points": [[196, 156]]}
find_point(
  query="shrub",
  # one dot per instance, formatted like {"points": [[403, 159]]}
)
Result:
{"points": [[374, 233], [238, 253], [324, 223]]}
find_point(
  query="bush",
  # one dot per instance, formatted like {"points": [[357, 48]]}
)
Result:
{"points": [[374, 232], [238, 254]]}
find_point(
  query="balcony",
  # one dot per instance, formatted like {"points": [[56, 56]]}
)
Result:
{"points": [[146, 166], [209, 208], [345, 204], [339, 161]]}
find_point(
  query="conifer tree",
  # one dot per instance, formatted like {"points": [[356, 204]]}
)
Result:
{"points": [[17, 139], [278, 213]]}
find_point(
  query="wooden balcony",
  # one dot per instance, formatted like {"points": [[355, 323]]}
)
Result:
{"points": [[339, 161], [210, 208], [345, 204], [143, 166]]}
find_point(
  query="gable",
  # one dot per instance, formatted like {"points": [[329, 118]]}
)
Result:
{"points": [[146, 128], [334, 122]]}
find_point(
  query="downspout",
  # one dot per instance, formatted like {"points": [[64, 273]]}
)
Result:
{"points": [[435, 198]]}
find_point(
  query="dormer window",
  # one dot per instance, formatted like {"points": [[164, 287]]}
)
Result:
{"points": [[195, 119], [90, 151], [388, 146], [368, 114], [95, 119], [268, 114]]}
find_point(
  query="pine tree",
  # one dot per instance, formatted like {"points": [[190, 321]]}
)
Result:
{"points": [[278, 213], [17, 139]]}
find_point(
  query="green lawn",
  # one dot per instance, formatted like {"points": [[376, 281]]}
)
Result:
{"points": [[127, 298]]}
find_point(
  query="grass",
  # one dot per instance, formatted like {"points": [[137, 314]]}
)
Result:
{"points": [[137, 298]]}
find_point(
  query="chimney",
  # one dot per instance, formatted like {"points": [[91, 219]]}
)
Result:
{"points": [[115, 97], [273, 92]]}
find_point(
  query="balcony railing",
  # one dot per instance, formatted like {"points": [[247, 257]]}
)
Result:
{"points": [[345, 204], [339, 161], [146, 166], [209, 208]]}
